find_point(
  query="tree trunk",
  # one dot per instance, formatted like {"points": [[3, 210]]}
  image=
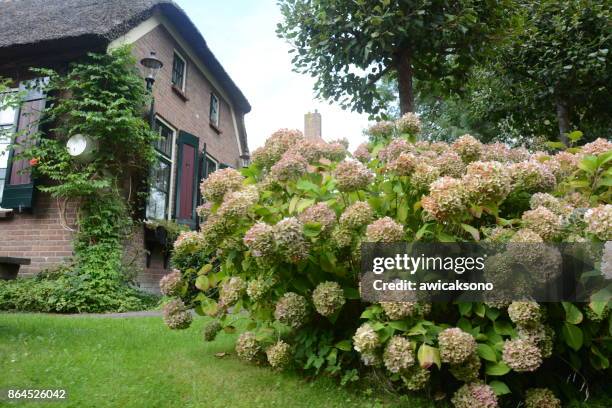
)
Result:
{"points": [[563, 120], [403, 63]]}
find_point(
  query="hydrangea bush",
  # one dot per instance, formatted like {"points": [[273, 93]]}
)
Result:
{"points": [[281, 240]]}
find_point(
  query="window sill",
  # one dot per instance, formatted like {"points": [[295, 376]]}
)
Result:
{"points": [[215, 128], [179, 92], [5, 212]]}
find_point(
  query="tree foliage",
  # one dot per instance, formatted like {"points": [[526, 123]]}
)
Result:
{"points": [[350, 45], [556, 69], [550, 75]]}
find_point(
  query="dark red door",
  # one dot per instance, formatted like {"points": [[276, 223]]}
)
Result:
{"points": [[187, 179]]}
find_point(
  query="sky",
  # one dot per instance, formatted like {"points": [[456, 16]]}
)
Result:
{"points": [[241, 34]]}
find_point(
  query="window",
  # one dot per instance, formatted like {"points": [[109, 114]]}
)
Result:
{"points": [[178, 71], [160, 175], [211, 166], [7, 126], [214, 110]]}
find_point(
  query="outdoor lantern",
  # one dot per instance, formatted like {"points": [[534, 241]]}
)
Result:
{"points": [[82, 147], [245, 160], [152, 66]]}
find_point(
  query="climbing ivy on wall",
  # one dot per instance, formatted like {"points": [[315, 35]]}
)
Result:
{"points": [[104, 98]]}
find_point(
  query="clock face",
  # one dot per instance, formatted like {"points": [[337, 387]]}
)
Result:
{"points": [[76, 145]]}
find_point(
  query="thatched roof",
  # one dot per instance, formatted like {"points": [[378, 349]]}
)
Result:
{"points": [[30, 25]]}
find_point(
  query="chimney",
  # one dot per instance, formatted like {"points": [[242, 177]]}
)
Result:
{"points": [[312, 125]]}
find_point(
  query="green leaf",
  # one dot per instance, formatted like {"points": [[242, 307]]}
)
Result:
{"points": [[402, 213], [572, 313], [486, 352], [497, 369], [472, 231], [293, 204], [503, 328], [465, 308], [202, 283], [598, 307], [555, 145], [306, 185], [573, 336], [399, 325], [492, 313], [419, 234], [344, 345], [205, 269], [499, 387], [304, 203], [428, 355], [312, 229], [575, 135], [479, 309], [598, 360], [588, 164]]}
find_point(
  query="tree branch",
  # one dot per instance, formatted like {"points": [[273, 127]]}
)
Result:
{"points": [[377, 77]]}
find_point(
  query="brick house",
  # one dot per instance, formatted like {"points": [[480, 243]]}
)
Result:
{"points": [[199, 114]]}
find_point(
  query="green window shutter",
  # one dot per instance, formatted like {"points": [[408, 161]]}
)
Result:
{"points": [[19, 186], [187, 179]]}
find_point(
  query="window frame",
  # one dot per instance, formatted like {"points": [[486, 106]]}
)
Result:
{"points": [[215, 123], [171, 160], [182, 86], [6, 154], [212, 159]]}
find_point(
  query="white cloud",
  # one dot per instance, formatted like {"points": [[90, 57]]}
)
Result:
{"points": [[241, 34]]}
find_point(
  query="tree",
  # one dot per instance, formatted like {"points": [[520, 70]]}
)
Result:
{"points": [[552, 75], [350, 45]]}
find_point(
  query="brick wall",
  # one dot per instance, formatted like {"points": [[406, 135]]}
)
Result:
{"points": [[38, 235], [191, 115]]}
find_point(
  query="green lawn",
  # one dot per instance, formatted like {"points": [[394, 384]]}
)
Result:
{"points": [[137, 362]]}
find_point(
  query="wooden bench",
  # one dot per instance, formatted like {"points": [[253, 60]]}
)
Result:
{"points": [[9, 267]]}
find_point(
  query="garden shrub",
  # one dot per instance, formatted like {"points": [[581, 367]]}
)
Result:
{"points": [[281, 241]]}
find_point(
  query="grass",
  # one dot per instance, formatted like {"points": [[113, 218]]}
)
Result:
{"points": [[138, 362]]}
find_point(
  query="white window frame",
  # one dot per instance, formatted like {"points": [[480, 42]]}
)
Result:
{"points": [[172, 157], [180, 56], [216, 120], [217, 163]]}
